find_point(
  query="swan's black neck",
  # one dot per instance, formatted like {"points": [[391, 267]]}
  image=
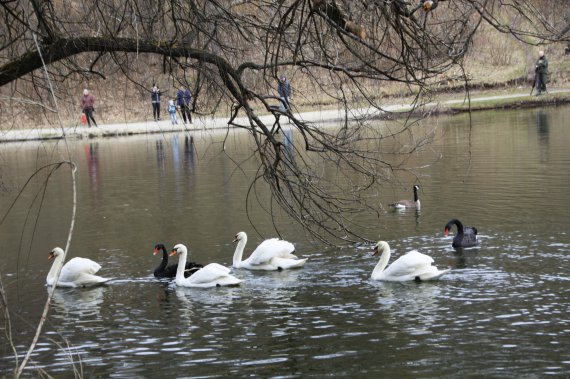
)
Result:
{"points": [[416, 198], [163, 262], [459, 225]]}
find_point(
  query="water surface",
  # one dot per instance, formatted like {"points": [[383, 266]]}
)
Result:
{"points": [[501, 312]]}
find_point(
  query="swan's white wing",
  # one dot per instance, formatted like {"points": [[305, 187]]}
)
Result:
{"points": [[413, 263], [271, 248], [210, 275], [77, 267], [418, 258], [80, 272], [88, 280]]}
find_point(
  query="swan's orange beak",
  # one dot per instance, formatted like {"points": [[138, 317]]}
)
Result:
{"points": [[155, 251], [235, 240], [375, 251], [51, 255], [173, 252], [446, 231]]}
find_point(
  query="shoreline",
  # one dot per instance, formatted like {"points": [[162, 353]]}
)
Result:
{"points": [[452, 106]]}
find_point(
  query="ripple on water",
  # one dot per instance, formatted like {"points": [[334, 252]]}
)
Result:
{"points": [[504, 298], [336, 355]]}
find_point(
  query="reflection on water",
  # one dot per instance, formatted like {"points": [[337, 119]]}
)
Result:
{"points": [[213, 296], [175, 155], [418, 304], [542, 126], [463, 257], [288, 141], [189, 157], [91, 151], [160, 158], [77, 304], [543, 132]]}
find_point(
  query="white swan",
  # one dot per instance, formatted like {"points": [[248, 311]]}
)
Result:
{"points": [[411, 266], [211, 275], [77, 272], [272, 254]]}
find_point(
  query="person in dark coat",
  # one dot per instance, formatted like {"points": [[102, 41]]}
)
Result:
{"points": [[183, 101], [155, 98], [541, 73], [284, 90]]}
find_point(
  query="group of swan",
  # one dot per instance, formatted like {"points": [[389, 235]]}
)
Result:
{"points": [[415, 265], [165, 271], [465, 237], [272, 254]]}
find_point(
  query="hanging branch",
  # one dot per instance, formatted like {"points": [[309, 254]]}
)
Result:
{"points": [[71, 226]]}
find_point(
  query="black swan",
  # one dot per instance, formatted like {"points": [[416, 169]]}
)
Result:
{"points": [[164, 271], [403, 204], [465, 237]]}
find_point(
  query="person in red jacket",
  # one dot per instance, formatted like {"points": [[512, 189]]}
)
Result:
{"points": [[87, 103]]}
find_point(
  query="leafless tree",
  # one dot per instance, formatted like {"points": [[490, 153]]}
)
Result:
{"points": [[236, 49]]}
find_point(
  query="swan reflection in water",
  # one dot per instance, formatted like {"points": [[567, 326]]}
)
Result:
{"points": [[409, 303], [463, 257], [77, 303], [198, 304], [190, 296], [273, 288]]}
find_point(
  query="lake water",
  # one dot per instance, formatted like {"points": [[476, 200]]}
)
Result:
{"points": [[503, 311]]}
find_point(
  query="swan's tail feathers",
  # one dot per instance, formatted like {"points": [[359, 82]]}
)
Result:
{"points": [[434, 275], [286, 263], [228, 281], [92, 280]]}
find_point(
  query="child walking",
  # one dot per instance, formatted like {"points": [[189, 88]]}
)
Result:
{"points": [[172, 112]]}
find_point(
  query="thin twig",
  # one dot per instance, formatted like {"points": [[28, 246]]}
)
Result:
{"points": [[69, 236]]}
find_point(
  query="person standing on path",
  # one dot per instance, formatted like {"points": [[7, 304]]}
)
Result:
{"points": [[88, 103], [183, 100], [155, 98], [541, 72], [284, 90], [172, 112]]}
